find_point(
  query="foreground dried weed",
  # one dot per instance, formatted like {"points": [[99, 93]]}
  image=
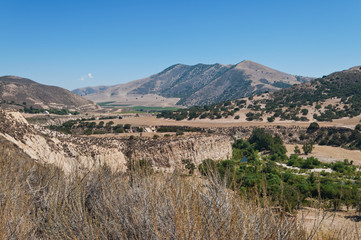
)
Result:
{"points": [[40, 202]]}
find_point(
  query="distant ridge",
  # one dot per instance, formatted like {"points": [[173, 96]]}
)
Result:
{"points": [[199, 84], [89, 90], [17, 91]]}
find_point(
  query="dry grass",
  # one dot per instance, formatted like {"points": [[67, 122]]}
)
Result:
{"points": [[329, 154], [39, 202]]}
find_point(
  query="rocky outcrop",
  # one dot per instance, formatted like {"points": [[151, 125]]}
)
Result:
{"points": [[85, 153], [169, 154], [47, 119]]}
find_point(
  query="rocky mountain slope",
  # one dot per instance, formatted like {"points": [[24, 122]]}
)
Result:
{"points": [[335, 96], [196, 85], [72, 153], [19, 92]]}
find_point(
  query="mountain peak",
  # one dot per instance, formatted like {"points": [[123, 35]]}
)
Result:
{"points": [[249, 64], [248, 61], [356, 68]]}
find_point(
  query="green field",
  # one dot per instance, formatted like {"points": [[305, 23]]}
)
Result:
{"points": [[143, 109], [111, 105], [103, 104], [136, 109], [153, 109]]}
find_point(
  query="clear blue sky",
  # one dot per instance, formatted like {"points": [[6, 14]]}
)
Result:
{"points": [[85, 43]]}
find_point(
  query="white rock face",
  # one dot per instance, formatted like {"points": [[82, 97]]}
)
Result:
{"points": [[170, 154], [86, 153]]}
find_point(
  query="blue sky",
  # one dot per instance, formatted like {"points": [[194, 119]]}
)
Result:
{"points": [[86, 43]]}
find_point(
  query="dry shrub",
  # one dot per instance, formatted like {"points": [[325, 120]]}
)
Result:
{"points": [[23, 184], [40, 202]]}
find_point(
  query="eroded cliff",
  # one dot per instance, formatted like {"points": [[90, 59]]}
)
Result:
{"points": [[85, 153]]}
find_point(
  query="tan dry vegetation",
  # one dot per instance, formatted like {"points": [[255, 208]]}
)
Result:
{"points": [[329, 153], [330, 225], [39, 202]]}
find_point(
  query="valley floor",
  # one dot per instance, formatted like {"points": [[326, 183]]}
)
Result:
{"points": [[329, 154]]}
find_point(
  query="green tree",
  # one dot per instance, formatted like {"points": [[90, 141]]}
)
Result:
{"points": [[307, 147], [108, 124], [304, 111], [179, 132], [271, 119], [313, 127], [189, 165], [208, 166], [261, 139], [297, 150], [101, 124]]}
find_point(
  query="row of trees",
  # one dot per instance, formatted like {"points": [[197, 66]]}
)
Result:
{"points": [[51, 110], [83, 127]]}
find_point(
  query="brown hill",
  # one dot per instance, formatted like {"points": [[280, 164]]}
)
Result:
{"points": [[17, 92], [196, 85]]}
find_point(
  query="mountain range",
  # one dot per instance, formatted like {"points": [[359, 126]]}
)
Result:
{"points": [[190, 85]]}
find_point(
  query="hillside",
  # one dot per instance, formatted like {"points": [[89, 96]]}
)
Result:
{"points": [[330, 97], [196, 85], [335, 96], [17, 92], [89, 90]]}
